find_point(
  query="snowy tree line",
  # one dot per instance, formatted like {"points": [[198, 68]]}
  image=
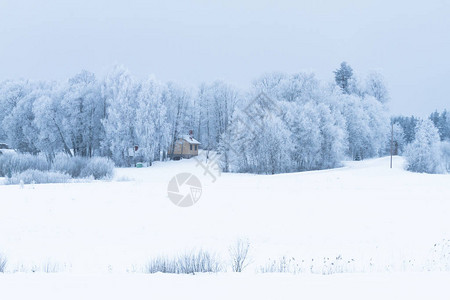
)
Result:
{"points": [[308, 125], [408, 125], [425, 143], [305, 124], [282, 123], [86, 116]]}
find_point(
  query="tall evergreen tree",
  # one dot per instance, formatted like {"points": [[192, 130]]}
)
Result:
{"points": [[342, 76]]}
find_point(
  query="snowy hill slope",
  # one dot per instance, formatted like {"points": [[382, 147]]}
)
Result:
{"points": [[363, 209], [379, 219]]}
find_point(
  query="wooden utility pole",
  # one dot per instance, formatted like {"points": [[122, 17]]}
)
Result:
{"points": [[392, 140]]}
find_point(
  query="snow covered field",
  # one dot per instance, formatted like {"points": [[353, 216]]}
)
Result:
{"points": [[226, 286], [377, 225]]}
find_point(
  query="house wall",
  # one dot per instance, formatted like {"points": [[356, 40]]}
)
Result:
{"points": [[176, 149], [184, 149]]}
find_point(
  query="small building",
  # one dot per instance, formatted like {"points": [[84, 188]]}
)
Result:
{"points": [[4, 149], [185, 147]]}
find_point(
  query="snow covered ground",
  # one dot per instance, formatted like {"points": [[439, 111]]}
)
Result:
{"points": [[381, 224], [225, 286]]}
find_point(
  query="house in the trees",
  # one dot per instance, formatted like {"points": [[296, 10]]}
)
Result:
{"points": [[4, 149], [184, 147]]}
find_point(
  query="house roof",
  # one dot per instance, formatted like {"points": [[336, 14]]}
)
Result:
{"points": [[6, 151], [190, 139]]}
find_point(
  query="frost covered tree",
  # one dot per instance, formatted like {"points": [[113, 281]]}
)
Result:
{"points": [[397, 137], [269, 84], [11, 92], [343, 76], [179, 111], [376, 87], [298, 87], [119, 92], [424, 153], [83, 109], [49, 121], [216, 103], [152, 129], [445, 148], [334, 137], [367, 126], [285, 136], [442, 123], [300, 124], [318, 136], [378, 125], [272, 150], [357, 125], [318, 125], [203, 116], [18, 124], [224, 103], [408, 124], [266, 149], [303, 121], [259, 141]]}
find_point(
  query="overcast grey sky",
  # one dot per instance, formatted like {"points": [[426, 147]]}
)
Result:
{"points": [[236, 41]]}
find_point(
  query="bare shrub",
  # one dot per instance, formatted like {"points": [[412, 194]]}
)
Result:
{"points": [[189, 263], [17, 163], [25, 166], [239, 254], [323, 266], [3, 262], [281, 265], [99, 168], [162, 264], [199, 262], [51, 267], [335, 265], [440, 256], [5, 164], [38, 177], [45, 267], [71, 165]]}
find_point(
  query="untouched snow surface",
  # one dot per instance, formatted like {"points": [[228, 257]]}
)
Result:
{"points": [[379, 222], [226, 286]]}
